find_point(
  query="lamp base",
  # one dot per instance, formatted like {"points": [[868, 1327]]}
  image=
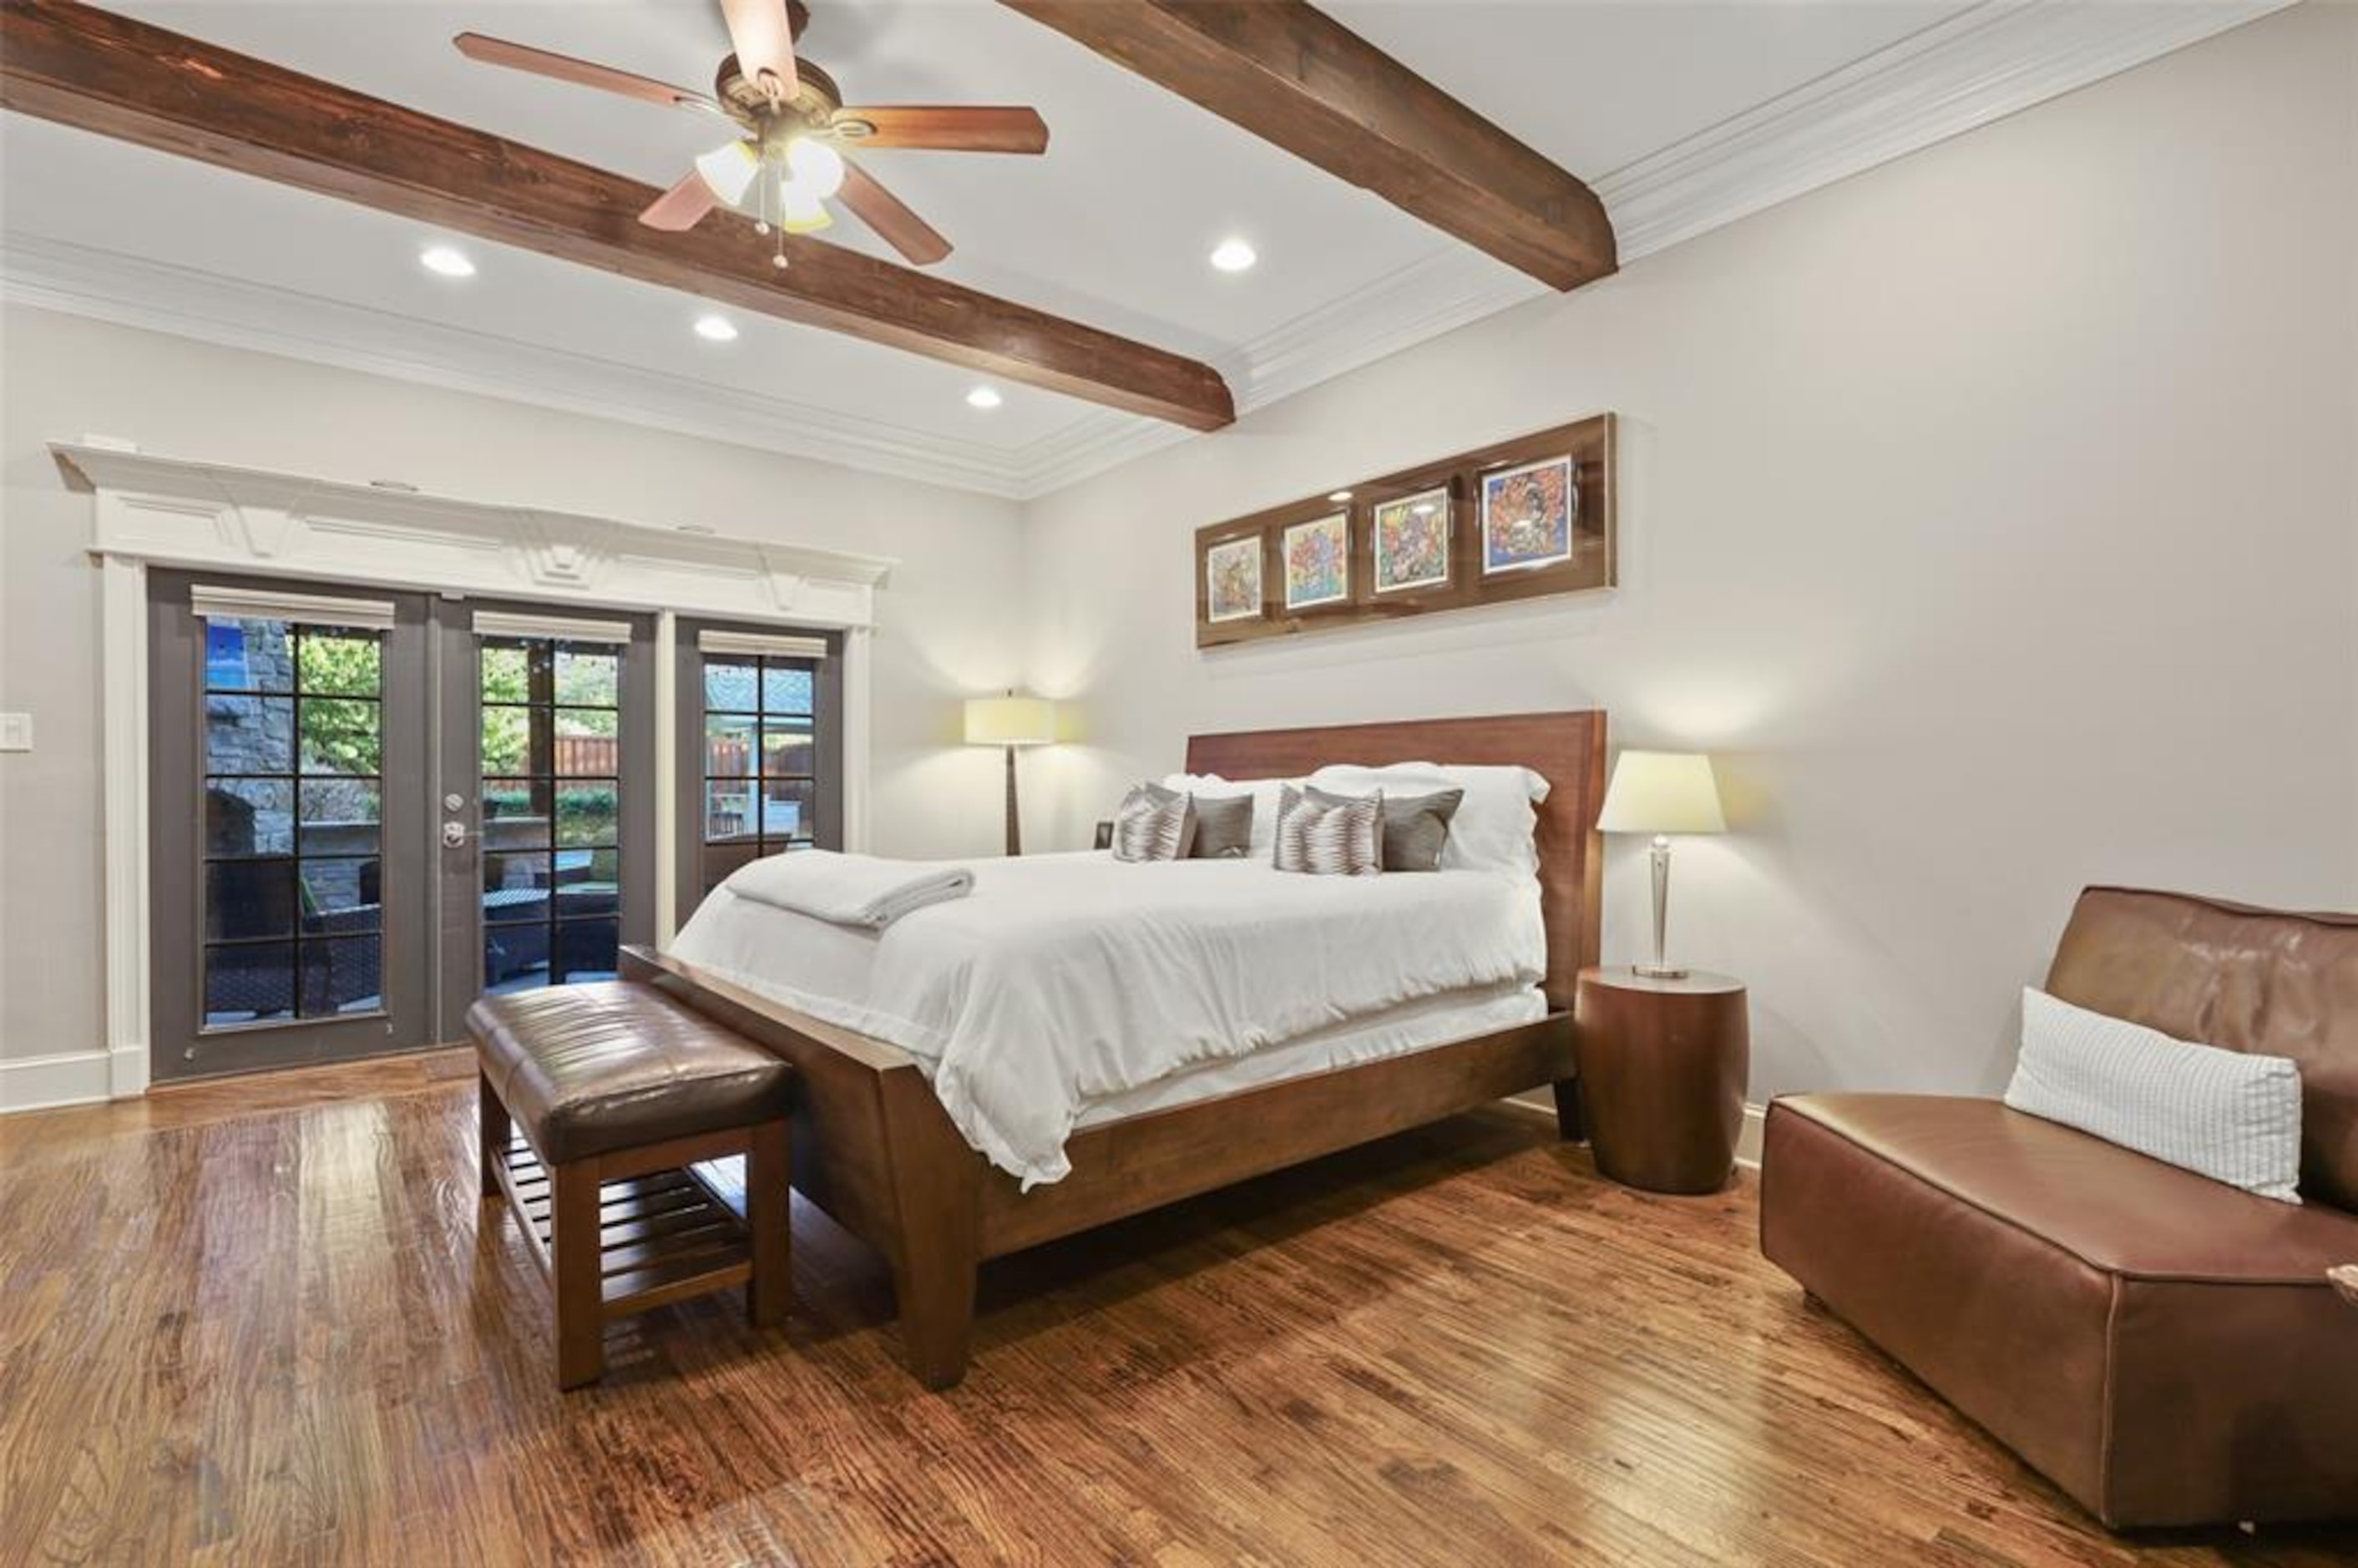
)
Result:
{"points": [[1658, 971]]}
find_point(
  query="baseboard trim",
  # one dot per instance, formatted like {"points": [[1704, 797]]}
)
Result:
{"points": [[1747, 1135], [68, 1077]]}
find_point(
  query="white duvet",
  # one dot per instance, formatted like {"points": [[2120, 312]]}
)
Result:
{"points": [[1067, 978]]}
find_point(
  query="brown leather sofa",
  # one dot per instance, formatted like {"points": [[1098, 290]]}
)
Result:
{"points": [[2166, 1348]]}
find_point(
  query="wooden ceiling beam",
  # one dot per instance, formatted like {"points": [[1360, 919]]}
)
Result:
{"points": [[1297, 78], [92, 69]]}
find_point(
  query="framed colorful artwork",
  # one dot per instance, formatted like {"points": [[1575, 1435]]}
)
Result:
{"points": [[1317, 560], [1529, 517], [1232, 579], [1527, 514], [1411, 542]]}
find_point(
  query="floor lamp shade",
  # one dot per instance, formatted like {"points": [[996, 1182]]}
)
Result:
{"points": [[1008, 722]]}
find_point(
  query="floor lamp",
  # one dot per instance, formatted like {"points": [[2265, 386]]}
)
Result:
{"points": [[1008, 722]]}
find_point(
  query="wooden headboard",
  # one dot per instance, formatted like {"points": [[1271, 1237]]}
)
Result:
{"points": [[1565, 749]]}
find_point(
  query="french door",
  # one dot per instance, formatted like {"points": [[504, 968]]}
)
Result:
{"points": [[367, 808], [546, 831]]}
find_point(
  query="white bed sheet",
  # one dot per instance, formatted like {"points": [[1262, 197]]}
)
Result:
{"points": [[1067, 981], [1401, 1031]]}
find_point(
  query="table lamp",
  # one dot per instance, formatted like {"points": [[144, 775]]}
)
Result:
{"points": [[1008, 722], [1661, 793]]}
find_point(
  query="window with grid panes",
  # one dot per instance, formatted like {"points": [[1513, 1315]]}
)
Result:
{"points": [[761, 758]]}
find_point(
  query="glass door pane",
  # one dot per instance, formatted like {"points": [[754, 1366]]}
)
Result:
{"points": [[548, 815], [551, 789], [293, 918]]}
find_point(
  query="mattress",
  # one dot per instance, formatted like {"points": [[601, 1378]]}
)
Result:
{"points": [[1401, 1030], [1067, 983]]}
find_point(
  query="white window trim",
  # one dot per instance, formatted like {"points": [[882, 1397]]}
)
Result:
{"points": [[169, 512], [564, 628], [753, 644], [214, 603]]}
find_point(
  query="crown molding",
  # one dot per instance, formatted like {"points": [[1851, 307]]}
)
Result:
{"points": [[133, 291], [1980, 65], [183, 513], [1448, 288], [1993, 60]]}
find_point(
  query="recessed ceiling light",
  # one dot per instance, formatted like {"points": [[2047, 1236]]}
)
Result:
{"points": [[984, 397], [1338, 495], [446, 260], [716, 328], [1234, 256]]}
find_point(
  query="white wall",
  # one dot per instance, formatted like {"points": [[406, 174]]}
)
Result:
{"points": [[947, 623], [1989, 516]]}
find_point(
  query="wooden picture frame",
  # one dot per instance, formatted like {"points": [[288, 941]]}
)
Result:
{"points": [[1583, 452]]}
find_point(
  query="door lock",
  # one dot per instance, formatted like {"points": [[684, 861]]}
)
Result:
{"points": [[454, 835]]}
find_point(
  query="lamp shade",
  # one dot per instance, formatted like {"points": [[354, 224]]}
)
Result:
{"points": [[1662, 792], [1010, 721]]}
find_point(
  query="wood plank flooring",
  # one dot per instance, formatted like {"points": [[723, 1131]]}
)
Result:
{"points": [[269, 1322]]}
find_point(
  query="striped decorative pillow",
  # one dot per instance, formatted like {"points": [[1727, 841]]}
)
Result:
{"points": [[1342, 839], [1416, 827], [1153, 824], [2227, 1115]]}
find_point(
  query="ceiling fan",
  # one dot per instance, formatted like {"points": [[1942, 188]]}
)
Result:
{"points": [[783, 166]]}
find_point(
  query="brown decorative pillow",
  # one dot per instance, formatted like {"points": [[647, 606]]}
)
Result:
{"points": [[1223, 826], [1343, 839], [1153, 824], [1416, 825]]}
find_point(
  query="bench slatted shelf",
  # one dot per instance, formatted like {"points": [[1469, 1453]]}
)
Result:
{"points": [[598, 1103]]}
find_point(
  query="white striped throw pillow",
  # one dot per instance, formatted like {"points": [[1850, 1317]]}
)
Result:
{"points": [[1153, 824], [1344, 838], [2227, 1115]]}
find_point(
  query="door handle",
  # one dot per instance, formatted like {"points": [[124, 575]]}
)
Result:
{"points": [[454, 834]]}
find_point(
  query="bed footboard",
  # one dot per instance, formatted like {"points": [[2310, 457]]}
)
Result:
{"points": [[874, 1149]]}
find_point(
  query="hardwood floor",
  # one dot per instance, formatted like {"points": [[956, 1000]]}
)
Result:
{"points": [[260, 1323]]}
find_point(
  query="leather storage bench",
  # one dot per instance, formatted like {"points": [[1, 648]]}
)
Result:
{"points": [[596, 1101], [2163, 1347]]}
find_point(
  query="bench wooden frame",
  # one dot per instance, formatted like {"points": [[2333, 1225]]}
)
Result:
{"points": [[632, 1229], [876, 1151]]}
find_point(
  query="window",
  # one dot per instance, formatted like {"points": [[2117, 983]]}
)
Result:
{"points": [[293, 807], [761, 758], [551, 791]]}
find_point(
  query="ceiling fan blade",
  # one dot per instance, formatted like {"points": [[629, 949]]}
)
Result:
{"points": [[949, 129], [681, 207], [764, 37], [581, 72], [893, 222]]}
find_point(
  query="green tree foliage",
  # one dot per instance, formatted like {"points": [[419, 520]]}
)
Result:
{"points": [[342, 729]]}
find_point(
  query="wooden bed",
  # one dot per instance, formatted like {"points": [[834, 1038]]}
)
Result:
{"points": [[874, 1149]]}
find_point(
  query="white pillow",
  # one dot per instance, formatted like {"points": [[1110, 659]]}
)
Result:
{"points": [[2227, 1115], [1495, 829], [1265, 794]]}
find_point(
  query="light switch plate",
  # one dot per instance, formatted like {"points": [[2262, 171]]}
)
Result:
{"points": [[16, 732]]}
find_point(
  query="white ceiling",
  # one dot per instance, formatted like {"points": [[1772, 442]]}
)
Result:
{"points": [[1684, 116]]}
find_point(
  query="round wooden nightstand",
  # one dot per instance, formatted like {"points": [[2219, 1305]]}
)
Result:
{"points": [[1663, 1065]]}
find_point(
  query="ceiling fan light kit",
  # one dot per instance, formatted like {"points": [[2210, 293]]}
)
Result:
{"points": [[789, 163]]}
